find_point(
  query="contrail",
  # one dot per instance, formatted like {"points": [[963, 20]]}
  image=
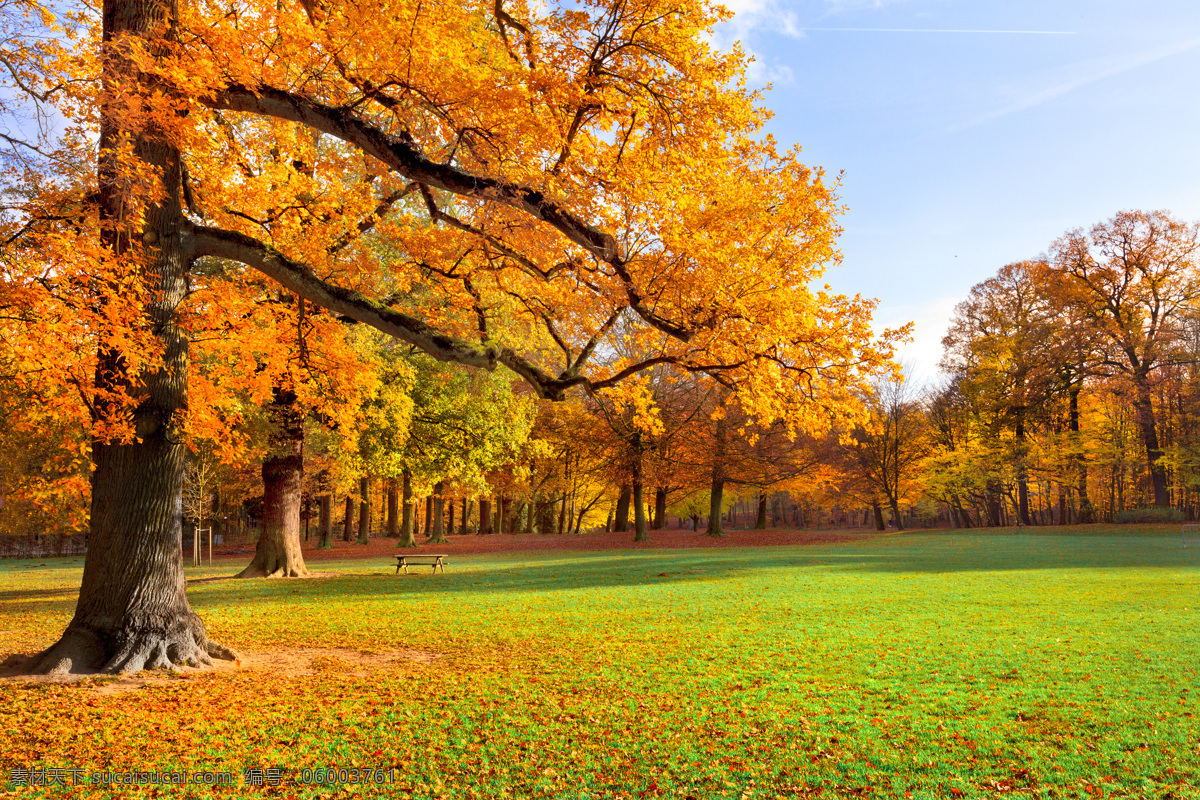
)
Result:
{"points": [[940, 30]]}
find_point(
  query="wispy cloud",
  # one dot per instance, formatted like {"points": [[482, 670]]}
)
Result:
{"points": [[1079, 75], [940, 30]]}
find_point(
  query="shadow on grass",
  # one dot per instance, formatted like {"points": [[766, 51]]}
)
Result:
{"points": [[569, 572], [563, 571]]}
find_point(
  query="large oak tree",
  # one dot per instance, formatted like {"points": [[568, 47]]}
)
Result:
{"points": [[563, 168]]}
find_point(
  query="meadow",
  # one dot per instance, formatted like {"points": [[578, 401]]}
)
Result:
{"points": [[941, 665]]}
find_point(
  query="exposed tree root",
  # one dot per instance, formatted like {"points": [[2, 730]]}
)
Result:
{"points": [[82, 650], [274, 565]]}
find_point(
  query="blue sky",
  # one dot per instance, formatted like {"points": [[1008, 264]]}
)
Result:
{"points": [[972, 133]]}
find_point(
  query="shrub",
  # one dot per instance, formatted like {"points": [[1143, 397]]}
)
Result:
{"points": [[1148, 515]]}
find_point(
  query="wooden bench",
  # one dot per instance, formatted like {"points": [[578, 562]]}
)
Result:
{"points": [[434, 560]]}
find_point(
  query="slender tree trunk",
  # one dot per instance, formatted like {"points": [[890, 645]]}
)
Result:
{"points": [[393, 509], [324, 522], [640, 531], [1022, 469], [717, 488], [485, 516], [760, 522], [449, 517], [277, 554], [408, 536], [1086, 513], [364, 510], [348, 520], [132, 611], [622, 522], [504, 512], [660, 508], [438, 502]]}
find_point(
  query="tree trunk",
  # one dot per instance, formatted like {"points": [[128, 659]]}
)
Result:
{"points": [[1086, 514], [717, 488], [505, 514], [429, 516], [324, 522], [640, 532], [895, 505], [408, 536], [660, 508], [466, 516], [1022, 471], [132, 612], [1149, 429], [393, 509], [438, 530], [760, 522], [364, 510], [449, 517], [622, 522], [485, 516], [562, 515], [278, 554], [348, 520], [880, 525]]}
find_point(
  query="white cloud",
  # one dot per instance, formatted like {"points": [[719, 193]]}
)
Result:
{"points": [[750, 16], [930, 322]]}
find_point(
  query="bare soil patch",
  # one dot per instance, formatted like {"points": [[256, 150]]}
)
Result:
{"points": [[289, 662]]}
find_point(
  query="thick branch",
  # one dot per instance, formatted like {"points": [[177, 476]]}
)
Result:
{"points": [[405, 158]]}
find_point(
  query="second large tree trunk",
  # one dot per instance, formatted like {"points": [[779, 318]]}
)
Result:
{"points": [[278, 553]]}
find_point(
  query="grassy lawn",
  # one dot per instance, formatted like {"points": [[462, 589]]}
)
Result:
{"points": [[925, 666]]}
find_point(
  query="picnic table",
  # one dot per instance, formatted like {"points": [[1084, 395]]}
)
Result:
{"points": [[436, 560]]}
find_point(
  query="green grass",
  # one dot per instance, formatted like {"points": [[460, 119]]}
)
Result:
{"points": [[925, 666]]}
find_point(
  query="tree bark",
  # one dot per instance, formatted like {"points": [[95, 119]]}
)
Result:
{"points": [[716, 499], [132, 612], [880, 525], [438, 529], [278, 554], [1149, 429], [760, 522], [485, 516], [622, 522], [660, 508], [324, 522], [505, 514], [640, 529], [408, 537], [393, 509], [364, 510], [348, 520]]}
